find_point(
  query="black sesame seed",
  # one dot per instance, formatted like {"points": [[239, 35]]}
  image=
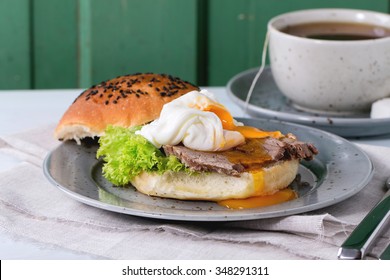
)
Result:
{"points": [[106, 102], [163, 93]]}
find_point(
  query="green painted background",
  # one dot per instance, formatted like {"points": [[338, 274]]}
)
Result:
{"points": [[73, 44]]}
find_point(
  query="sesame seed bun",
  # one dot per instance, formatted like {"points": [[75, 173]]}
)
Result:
{"points": [[123, 101]]}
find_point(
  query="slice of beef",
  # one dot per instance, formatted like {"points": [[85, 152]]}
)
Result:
{"points": [[289, 148], [255, 153], [204, 161]]}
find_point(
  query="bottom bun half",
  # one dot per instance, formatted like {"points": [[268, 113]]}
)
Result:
{"points": [[215, 186]]}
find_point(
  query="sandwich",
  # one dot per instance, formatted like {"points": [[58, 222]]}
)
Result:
{"points": [[168, 138]]}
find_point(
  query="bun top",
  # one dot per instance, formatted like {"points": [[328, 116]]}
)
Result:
{"points": [[123, 101]]}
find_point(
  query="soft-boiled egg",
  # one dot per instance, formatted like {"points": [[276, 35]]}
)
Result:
{"points": [[199, 122]]}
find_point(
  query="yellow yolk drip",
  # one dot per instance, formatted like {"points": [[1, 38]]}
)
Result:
{"points": [[251, 132], [247, 131], [259, 201], [258, 181]]}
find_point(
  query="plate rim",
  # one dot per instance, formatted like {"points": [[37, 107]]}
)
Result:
{"points": [[222, 217]]}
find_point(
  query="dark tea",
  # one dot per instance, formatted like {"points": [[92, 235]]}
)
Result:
{"points": [[338, 31]]}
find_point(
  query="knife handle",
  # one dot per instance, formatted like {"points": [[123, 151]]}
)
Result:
{"points": [[361, 238], [385, 254]]}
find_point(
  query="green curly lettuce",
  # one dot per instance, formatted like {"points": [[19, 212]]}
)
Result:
{"points": [[127, 154]]}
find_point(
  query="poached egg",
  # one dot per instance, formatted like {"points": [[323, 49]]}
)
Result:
{"points": [[199, 122]]}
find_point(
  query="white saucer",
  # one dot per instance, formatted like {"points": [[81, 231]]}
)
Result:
{"points": [[268, 102]]}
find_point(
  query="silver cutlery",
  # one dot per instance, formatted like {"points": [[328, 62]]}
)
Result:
{"points": [[356, 245], [385, 254]]}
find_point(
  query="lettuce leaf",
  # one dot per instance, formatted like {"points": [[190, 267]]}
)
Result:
{"points": [[127, 154]]}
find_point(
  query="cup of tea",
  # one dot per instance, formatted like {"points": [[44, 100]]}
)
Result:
{"points": [[331, 61]]}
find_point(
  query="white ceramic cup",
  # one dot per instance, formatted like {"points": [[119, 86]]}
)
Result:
{"points": [[332, 77]]}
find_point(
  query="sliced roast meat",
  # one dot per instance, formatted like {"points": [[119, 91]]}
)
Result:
{"points": [[204, 161], [289, 148], [255, 153]]}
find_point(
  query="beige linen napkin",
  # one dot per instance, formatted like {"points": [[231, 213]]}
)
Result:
{"points": [[32, 208]]}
